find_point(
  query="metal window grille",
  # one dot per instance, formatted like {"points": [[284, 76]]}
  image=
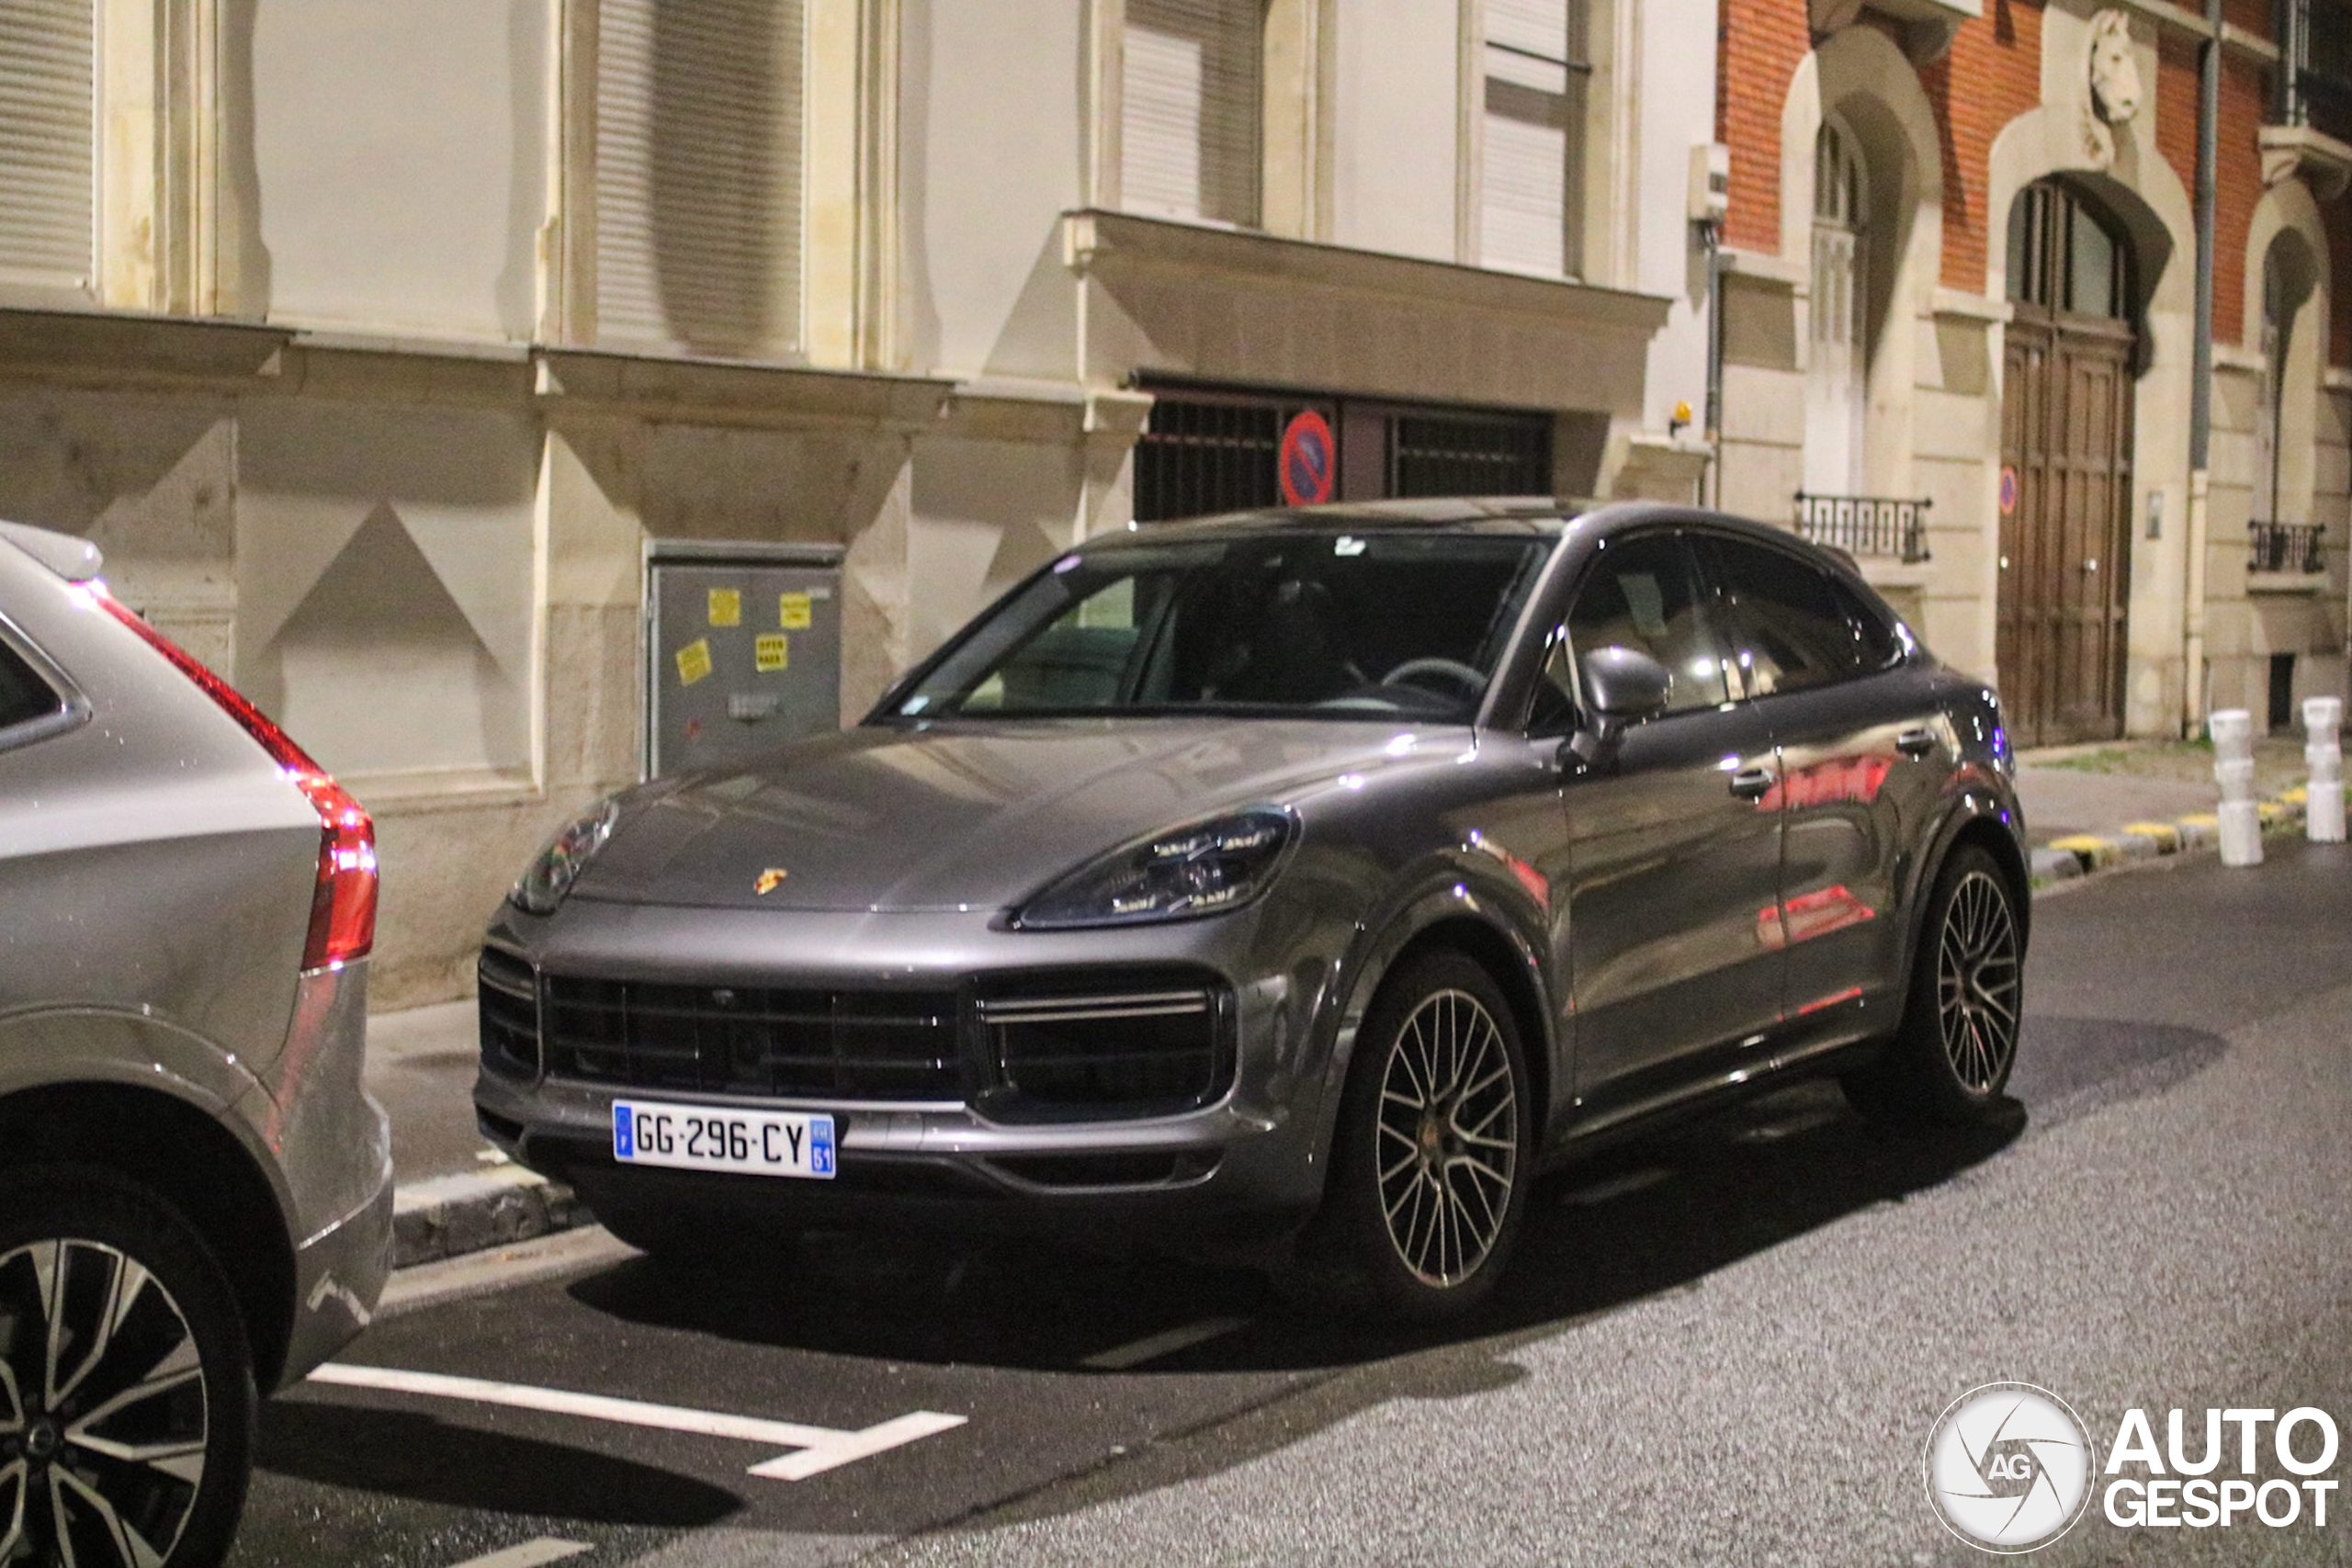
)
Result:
{"points": [[2285, 546], [1208, 452], [1200, 456], [1865, 525], [1472, 455]]}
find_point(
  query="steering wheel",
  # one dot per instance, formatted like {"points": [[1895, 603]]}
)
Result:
{"points": [[1449, 673]]}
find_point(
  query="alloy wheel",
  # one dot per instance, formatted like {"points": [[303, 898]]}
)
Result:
{"points": [[1976, 982], [103, 1418], [1449, 1138]]}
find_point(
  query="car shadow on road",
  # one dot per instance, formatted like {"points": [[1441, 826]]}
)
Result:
{"points": [[405, 1454], [1646, 1218]]}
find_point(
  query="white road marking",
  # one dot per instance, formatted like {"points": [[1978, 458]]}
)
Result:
{"points": [[1151, 1347], [823, 1448], [531, 1554], [1617, 1187]]}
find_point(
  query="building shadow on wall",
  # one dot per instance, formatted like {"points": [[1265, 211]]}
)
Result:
{"points": [[724, 175]]}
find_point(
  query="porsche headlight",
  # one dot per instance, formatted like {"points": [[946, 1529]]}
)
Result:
{"points": [[552, 871], [1204, 868]]}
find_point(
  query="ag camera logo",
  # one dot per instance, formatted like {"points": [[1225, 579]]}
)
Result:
{"points": [[2009, 1467]]}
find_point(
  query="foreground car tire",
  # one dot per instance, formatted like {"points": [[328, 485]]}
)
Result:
{"points": [[136, 1448], [1949, 1060], [1432, 1158]]}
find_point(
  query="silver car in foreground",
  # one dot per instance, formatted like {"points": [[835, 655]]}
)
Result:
{"points": [[194, 1191], [1293, 886]]}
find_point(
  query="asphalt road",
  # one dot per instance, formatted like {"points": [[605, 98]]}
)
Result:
{"points": [[1725, 1346]]}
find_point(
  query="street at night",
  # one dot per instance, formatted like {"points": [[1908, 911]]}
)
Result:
{"points": [[1726, 1343]]}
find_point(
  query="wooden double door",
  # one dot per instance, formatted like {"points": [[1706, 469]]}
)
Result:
{"points": [[2065, 525]]}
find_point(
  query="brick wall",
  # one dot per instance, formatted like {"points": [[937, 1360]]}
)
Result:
{"points": [[1996, 62], [1991, 75], [1759, 46]]}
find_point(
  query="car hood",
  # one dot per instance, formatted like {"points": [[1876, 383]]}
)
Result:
{"points": [[969, 815]]}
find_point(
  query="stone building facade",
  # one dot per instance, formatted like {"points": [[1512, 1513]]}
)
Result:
{"points": [[1959, 336], [389, 351]]}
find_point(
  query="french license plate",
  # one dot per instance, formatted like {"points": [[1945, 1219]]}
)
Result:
{"points": [[710, 1138]]}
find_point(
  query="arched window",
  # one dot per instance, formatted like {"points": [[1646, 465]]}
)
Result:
{"points": [[2281, 481], [1835, 364]]}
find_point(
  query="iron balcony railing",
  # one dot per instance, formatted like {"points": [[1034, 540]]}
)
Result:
{"points": [[1865, 525], [2284, 546], [2312, 84]]}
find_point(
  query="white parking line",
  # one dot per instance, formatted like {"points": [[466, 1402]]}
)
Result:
{"points": [[822, 1448], [531, 1554], [1151, 1347]]}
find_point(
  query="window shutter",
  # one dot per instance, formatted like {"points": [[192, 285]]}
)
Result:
{"points": [[1533, 104], [698, 108], [1193, 106], [48, 136]]}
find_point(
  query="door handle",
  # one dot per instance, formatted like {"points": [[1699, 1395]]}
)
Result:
{"points": [[1916, 742], [1752, 783]]}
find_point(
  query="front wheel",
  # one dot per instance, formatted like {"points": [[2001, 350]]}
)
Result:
{"points": [[127, 1398], [1949, 1059], [1430, 1159]]}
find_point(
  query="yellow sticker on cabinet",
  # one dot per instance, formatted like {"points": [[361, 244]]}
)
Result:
{"points": [[694, 661], [794, 613], [726, 606], [772, 651]]}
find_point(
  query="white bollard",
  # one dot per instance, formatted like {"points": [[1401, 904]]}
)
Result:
{"points": [[2232, 733], [2324, 750]]}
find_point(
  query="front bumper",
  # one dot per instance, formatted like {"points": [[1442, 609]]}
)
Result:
{"points": [[1233, 1176], [1214, 1181]]}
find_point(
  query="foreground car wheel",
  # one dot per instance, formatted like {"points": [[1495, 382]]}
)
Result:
{"points": [[1430, 1168], [127, 1401], [1950, 1060]]}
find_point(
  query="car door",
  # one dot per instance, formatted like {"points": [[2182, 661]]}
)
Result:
{"points": [[1673, 846], [1864, 749]]}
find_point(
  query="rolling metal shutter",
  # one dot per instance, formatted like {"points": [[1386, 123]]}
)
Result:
{"points": [[48, 143], [1191, 108], [1534, 107], [698, 109]]}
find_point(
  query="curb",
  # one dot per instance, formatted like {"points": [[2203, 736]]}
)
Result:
{"points": [[449, 1216], [2080, 854]]}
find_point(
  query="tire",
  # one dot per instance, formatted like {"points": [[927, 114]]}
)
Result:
{"points": [[1949, 1059], [1433, 1155], [145, 1302]]}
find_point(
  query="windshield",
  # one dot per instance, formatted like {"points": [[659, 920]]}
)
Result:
{"points": [[1324, 623]]}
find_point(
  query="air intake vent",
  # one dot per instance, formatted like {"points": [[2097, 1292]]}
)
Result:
{"points": [[508, 994], [1125, 1053]]}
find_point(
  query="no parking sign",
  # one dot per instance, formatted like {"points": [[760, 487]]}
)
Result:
{"points": [[1307, 459]]}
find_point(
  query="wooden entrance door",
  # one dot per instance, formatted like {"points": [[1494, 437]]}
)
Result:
{"points": [[2064, 551]]}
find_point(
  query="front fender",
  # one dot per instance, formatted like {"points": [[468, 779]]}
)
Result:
{"points": [[1450, 889]]}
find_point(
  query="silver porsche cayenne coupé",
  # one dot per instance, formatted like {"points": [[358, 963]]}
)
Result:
{"points": [[1293, 886]]}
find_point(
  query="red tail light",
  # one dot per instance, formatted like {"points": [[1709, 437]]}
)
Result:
{"points": [[342, 908]]}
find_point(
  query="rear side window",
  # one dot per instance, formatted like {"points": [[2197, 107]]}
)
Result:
{"points": [[24, 695], [1792, 626]]}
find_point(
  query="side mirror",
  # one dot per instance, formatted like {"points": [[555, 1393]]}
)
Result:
{"points": [[1625, 685], [1622, 687]]}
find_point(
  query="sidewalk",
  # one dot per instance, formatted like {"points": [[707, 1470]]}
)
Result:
{"points": [[2086, 807], [455, 1195]]}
